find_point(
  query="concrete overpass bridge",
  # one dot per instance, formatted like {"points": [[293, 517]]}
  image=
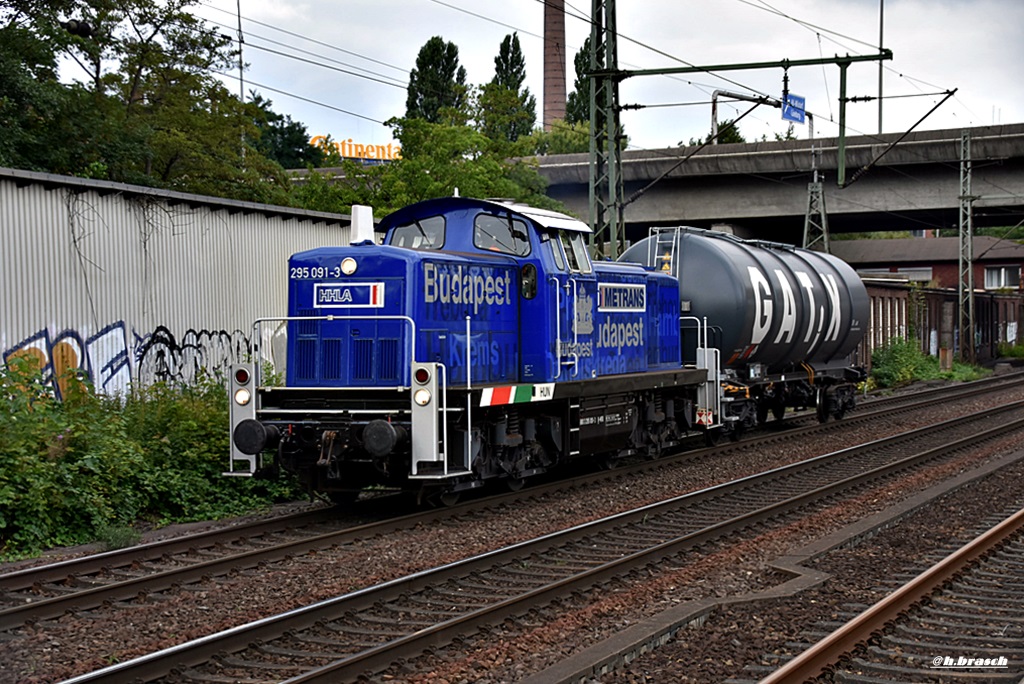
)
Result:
{"points": [[761, 188]]}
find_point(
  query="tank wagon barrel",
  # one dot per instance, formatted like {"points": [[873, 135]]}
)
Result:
{"points": [[785, 319]]}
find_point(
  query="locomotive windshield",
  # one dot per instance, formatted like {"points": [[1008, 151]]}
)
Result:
{"points": [[425, 233]]}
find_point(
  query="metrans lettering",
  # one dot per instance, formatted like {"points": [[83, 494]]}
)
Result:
{"points": [[622, 297], [458, 284]]}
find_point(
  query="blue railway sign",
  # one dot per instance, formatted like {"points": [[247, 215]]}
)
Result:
{"points": [[793, 108]]}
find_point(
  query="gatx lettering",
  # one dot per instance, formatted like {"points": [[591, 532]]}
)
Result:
{"points": [[764, 306]]}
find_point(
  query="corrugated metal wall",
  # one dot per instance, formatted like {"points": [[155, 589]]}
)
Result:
{"points": [[130, 283]]}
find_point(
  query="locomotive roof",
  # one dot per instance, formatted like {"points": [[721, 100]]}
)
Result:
{"points": [[543, 217]]}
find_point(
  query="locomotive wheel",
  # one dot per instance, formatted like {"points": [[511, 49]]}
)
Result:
{"points": [[712, 437], [449, 499]]}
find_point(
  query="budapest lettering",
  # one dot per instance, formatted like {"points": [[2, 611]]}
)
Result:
{"points": [[459, 285], [618, 335]]}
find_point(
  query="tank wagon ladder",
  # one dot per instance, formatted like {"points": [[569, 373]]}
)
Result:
{"points": [[663, 245]]}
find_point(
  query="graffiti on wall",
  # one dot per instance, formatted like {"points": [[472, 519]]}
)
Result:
{"points": [[160, 357], [110, 362]]}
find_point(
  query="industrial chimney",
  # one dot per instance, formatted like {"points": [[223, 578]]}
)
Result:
{"points": [[554, 61]]}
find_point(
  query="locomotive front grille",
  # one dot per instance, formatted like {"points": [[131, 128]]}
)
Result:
{"points": [[387, 360], [305, 369], [362, 360], [331, 359]]}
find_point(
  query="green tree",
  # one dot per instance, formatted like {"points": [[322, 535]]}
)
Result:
{"points": [[437, 159], [790, 134], [144, 106], [39, 132], [577, 104], [563, 138], [438, 82], [283, 140], [728, 132], [507, 111]]}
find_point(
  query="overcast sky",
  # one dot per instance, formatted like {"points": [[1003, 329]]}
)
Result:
{"points": [[355, 74]]}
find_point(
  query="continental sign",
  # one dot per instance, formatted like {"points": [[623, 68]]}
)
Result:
{"points": [[351, 150]]}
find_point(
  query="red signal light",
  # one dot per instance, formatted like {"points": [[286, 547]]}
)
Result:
{"points": [[242, 376], [422, 376]]}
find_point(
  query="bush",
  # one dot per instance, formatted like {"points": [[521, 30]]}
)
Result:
{"points": [[72, 470], [902, 362], [1011, 351]]}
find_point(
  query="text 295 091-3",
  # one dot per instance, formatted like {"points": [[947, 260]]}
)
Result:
{"points": [[314, 272]]}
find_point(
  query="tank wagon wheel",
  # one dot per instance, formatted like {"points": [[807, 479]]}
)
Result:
{"points": [[762, 412], [821, 407], [712, 437], [343, 499], [736, 433], [779, 411], [515, 484]]}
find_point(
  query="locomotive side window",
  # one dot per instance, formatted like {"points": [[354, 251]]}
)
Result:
{"points": [[422, 234], [502, 235], [576, 252], [556, 251]]}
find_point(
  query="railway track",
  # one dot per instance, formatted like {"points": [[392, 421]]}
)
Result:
{"points": [[960, 618], [137, 573], [371, 629]]}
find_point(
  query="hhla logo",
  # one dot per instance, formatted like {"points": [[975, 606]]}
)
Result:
{"points": [[351, 150]]}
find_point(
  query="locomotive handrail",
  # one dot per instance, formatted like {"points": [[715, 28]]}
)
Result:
{"points": [[575, 328], [469, 400], [702, 328], [258, 323], [558, 329]]}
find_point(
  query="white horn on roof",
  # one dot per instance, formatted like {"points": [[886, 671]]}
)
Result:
{"points": [[362, 224]]}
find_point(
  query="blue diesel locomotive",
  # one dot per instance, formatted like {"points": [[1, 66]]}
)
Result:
{"points": [[480, 343]]}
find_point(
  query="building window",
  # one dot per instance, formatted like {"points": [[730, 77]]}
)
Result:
{"points": [[1002, 277]]}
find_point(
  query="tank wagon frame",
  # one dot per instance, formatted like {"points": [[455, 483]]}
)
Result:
{"points": [[480, 343]]}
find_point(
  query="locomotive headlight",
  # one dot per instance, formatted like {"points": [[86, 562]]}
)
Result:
{"points": [[243, 397], [348, 265], [421, 397]]}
